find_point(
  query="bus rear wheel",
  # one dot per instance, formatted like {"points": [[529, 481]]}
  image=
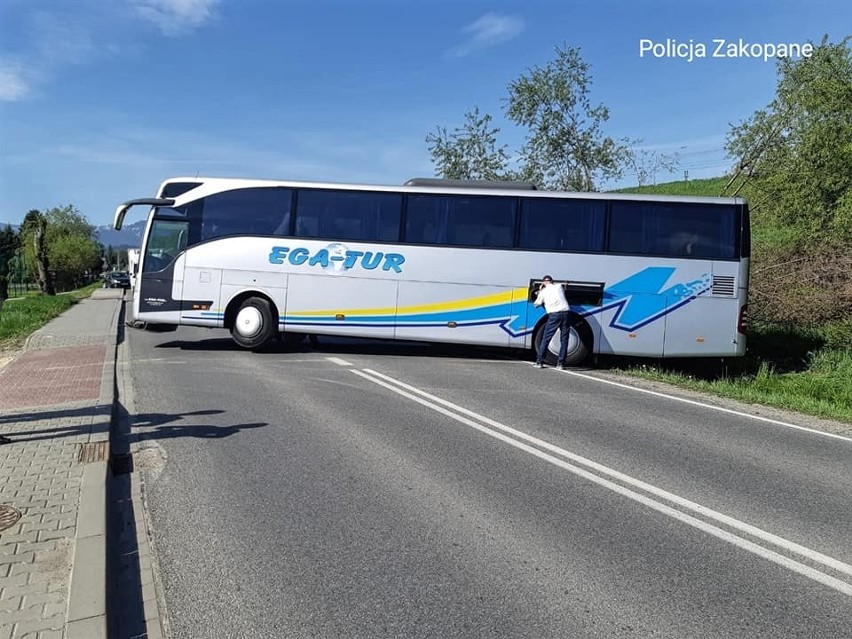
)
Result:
{"points": [[254, 325], [579, 343]]}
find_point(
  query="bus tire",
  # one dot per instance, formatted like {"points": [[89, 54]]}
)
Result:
{"points": [[254, 325], [579, 343]]}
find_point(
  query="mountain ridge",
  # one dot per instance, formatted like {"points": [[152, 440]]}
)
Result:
{"points": [[130, 235]]}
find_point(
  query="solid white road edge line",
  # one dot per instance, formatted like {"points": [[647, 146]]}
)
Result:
{"points": [[436, 405], [337, 360], [711, 406]]}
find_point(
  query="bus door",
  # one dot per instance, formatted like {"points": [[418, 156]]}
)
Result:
{"points": [[160, 283], [524, 315], [329, 304]]}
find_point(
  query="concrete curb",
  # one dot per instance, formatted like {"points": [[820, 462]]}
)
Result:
{"points": [[87, 602], [133, 578]]}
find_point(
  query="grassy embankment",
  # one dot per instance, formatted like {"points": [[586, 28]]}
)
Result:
{"points": [[804, 369], [712, 187], [20, 317]]}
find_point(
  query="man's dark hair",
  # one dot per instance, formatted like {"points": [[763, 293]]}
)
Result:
{"points": [[547, 278]]}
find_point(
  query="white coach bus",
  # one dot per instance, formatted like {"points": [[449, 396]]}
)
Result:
{"points": [[445, 261]]}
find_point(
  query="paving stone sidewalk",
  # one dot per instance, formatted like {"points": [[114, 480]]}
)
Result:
{"points": [[55, 407]]}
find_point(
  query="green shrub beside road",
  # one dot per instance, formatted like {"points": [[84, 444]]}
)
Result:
{"points": [[20, 317]]}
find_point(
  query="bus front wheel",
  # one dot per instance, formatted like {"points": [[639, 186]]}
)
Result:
{"points": [[579, 343], [254, 324]]}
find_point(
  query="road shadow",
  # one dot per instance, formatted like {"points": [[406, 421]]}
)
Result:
{"points": [[127, 584], [332, 345], [129, 568], [159, 425], [34, 414], [703, 368]]}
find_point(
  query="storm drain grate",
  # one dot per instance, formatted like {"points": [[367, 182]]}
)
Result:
{"points": [[8, 516], [94, 452]]}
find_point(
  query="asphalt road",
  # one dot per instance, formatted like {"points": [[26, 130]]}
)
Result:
{"points": [[378, 490]]}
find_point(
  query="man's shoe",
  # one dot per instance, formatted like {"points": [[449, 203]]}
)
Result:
{"points": [[560, 367], [539, 365]]}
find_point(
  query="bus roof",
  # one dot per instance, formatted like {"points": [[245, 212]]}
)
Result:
{"points": [[472, 184], [209, 185]]}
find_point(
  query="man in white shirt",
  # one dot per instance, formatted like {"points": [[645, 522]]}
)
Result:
{"points": [[553, 297]]}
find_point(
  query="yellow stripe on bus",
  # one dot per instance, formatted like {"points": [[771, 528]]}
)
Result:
{"points": [[472, 302]]}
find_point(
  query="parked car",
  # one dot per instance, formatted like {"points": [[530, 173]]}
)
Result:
{"points": [[118, 279]]}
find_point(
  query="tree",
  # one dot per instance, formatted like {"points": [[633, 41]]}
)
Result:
{"points": [[794, 164], [470, 152], [644, 164], [110, 256], [73, 256], [33, 232], [58, 242], [8, 248], [565, 148], [795, 155]]}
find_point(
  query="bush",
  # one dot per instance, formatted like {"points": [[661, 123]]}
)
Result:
{"points": [[801, 285], [838, 335]]}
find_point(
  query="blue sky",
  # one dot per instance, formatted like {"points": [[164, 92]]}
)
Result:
{"points": [[100, 100]]}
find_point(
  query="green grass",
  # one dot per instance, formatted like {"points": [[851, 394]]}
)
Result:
{"points": [[709, 187], [20, 317], [784, 368], [22, 290]]}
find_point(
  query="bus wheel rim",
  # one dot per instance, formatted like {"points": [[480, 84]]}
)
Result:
{"points": [[555, 341], [249, 322]]}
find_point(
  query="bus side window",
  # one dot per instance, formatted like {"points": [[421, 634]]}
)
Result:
{"points": [[283, 227], [683, 243], [702, 248]]}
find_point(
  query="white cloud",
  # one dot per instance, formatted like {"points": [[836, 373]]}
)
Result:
{"points": [[174, 17], [487, 31], [14, 84], [52, 42], [63, 37]]}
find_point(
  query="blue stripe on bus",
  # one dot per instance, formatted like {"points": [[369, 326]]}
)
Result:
{"points": [[638, 301]]}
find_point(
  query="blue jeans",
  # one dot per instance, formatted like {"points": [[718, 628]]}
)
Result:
{"points": [[560, 320]]}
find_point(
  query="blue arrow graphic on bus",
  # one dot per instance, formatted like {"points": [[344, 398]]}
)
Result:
{"points": [[518, 325], [640, 300]]}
